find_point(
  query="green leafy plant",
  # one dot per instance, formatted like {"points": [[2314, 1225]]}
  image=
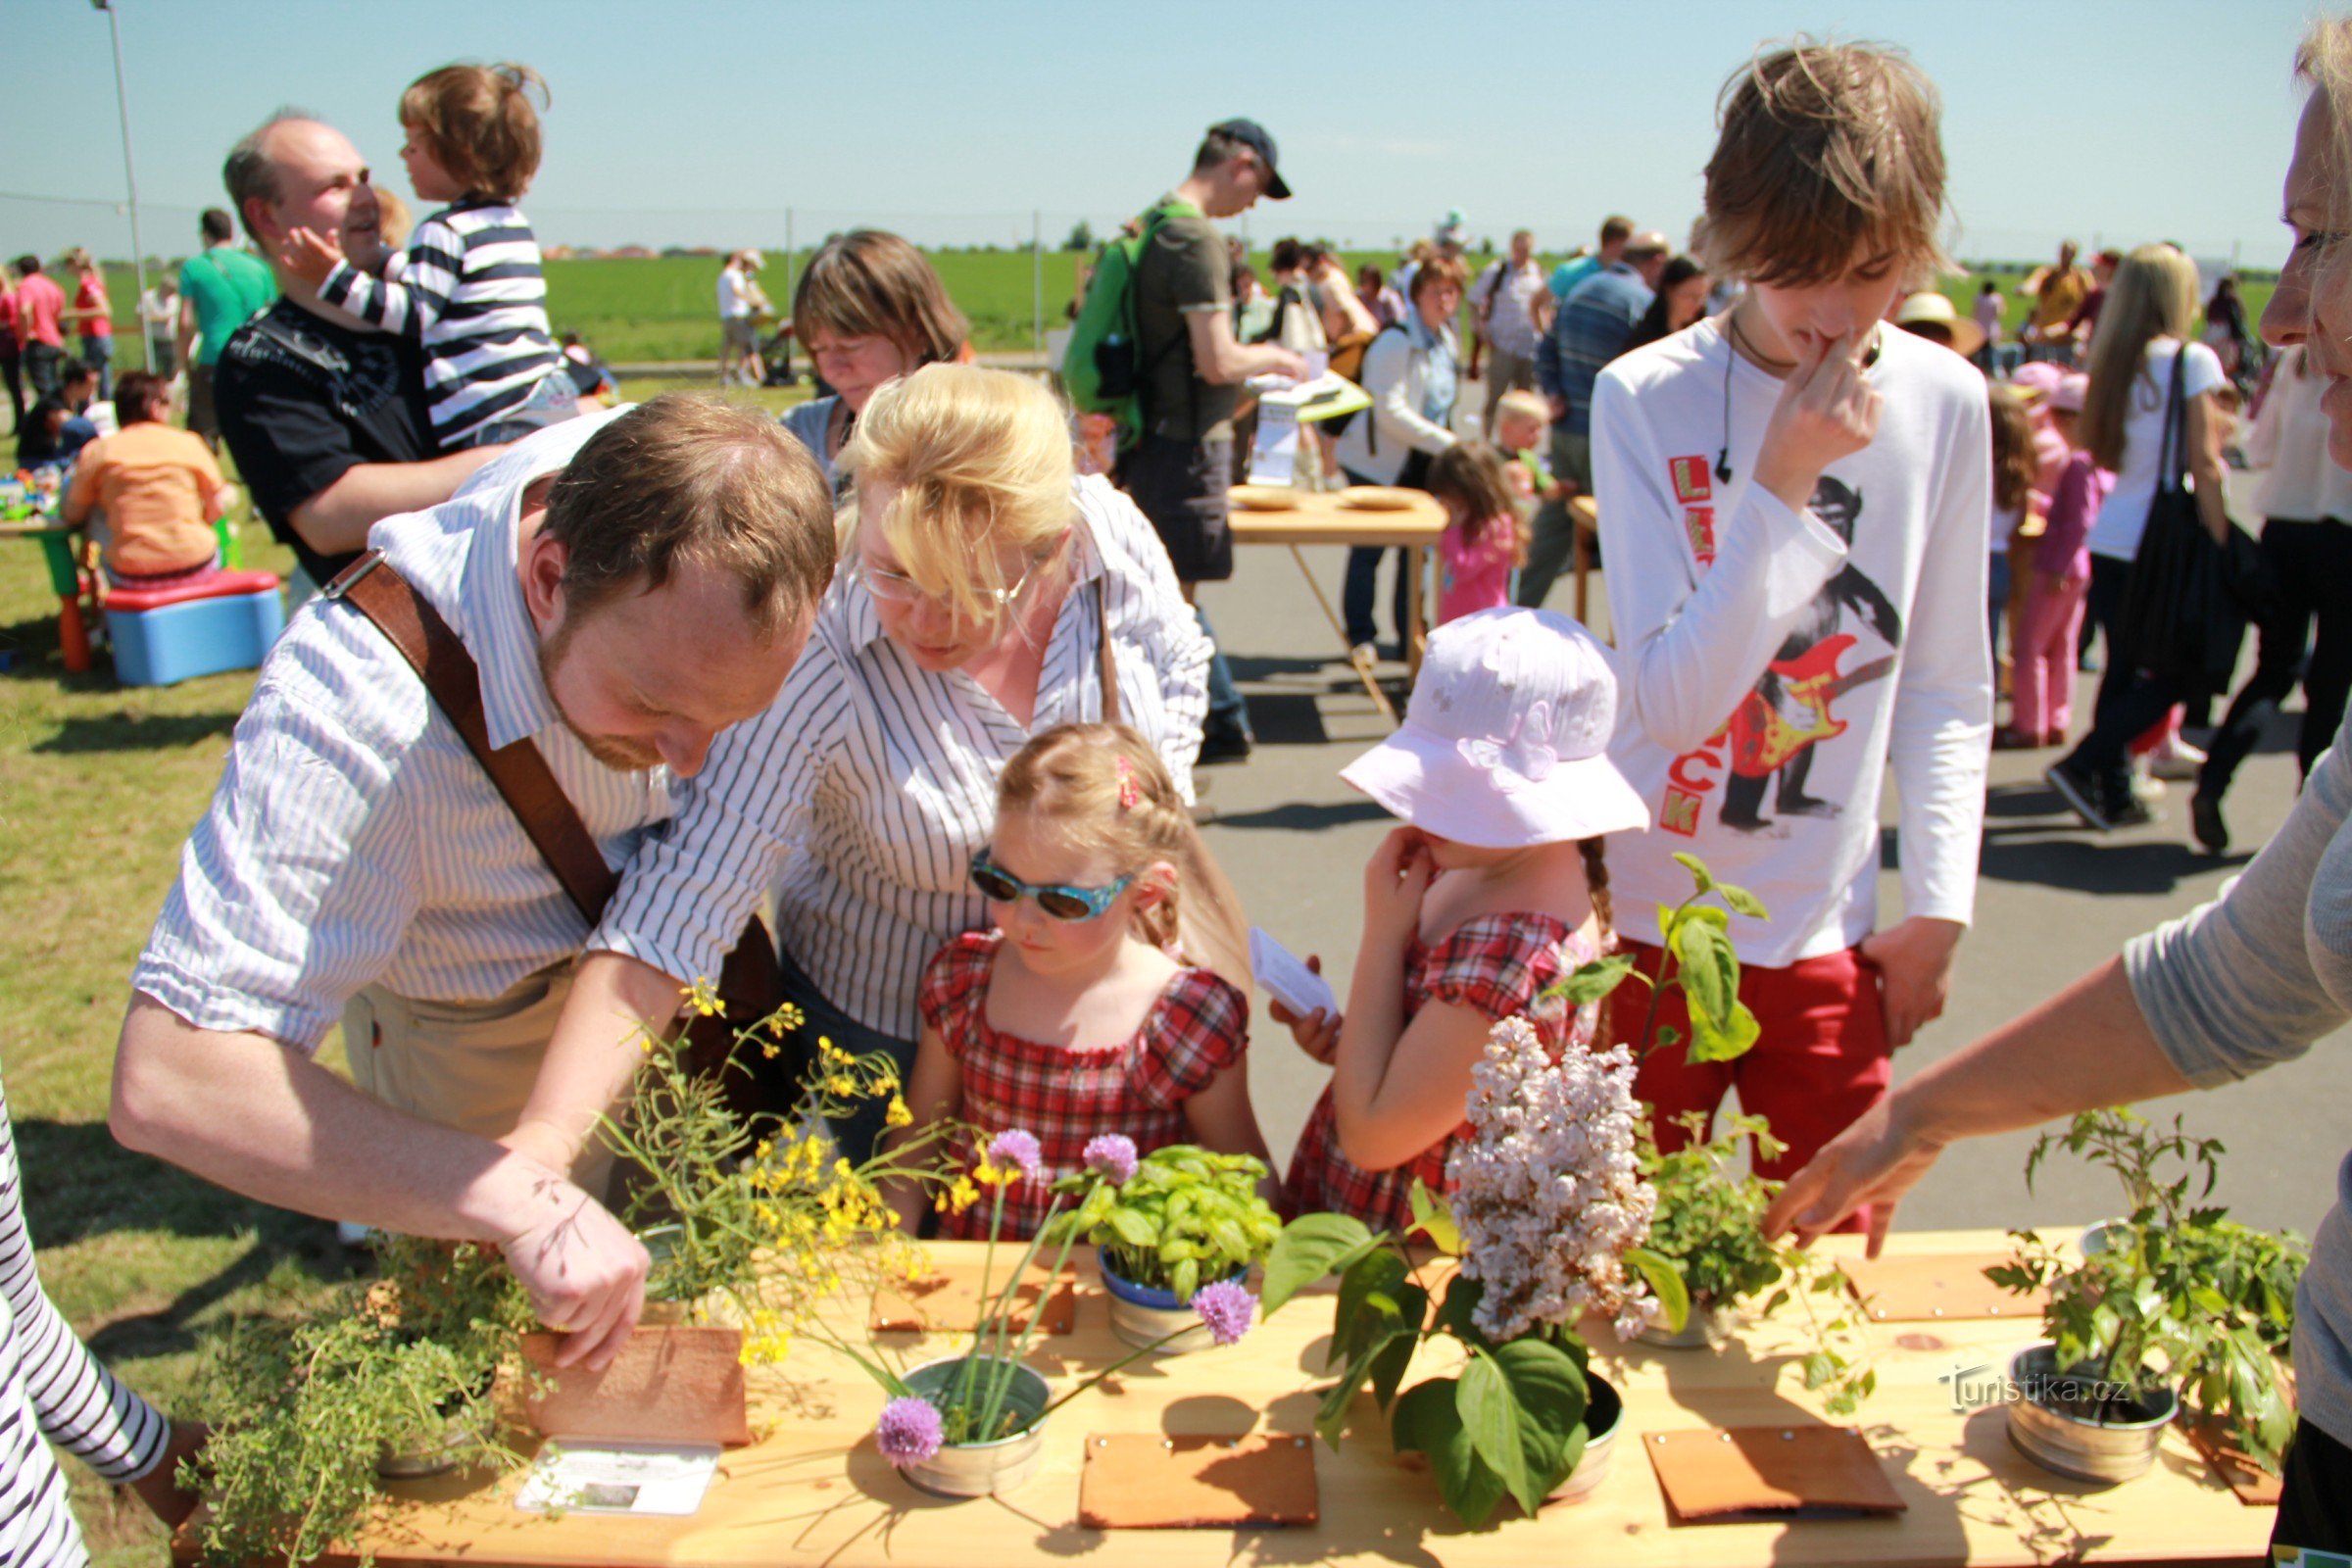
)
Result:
{"points": [[2179, 1294], [1699, 961], [302, 1409], [1184, 1218]]}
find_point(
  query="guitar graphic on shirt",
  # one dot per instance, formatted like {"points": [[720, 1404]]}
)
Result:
{"points": [[1765, 734]]}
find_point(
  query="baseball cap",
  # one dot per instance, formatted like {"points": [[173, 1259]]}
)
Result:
{"points": [[1505, 742], [1252, 135]]}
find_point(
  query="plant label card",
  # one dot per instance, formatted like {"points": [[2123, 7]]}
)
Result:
{"points": [[1146, 1481], [639, 1478], [1274, 455], [1750, 1474], [1287, 978]]}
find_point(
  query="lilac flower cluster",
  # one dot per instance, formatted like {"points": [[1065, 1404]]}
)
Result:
{"points": [[1548, 1191]]}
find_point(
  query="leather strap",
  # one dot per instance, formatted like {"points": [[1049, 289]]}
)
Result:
{"points": [[377, 590], [1108, 670]]}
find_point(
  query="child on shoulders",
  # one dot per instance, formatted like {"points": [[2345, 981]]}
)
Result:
{"points": [[1071, 1017], [468, 287], [1493, 889]]}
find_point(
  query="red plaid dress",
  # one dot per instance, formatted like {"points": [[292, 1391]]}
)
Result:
{"points": [[1198, 1028], [1495, 963]]}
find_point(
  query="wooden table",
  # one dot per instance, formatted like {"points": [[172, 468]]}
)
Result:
{"points": [[813, 1488], [1325, 518]]}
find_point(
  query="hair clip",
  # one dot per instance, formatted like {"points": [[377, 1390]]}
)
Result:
{"points": [[1129, 796]]}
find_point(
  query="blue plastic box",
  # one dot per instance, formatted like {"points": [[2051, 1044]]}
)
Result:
{"points": [[173, 643]]}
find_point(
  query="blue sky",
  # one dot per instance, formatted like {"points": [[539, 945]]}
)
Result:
{"points": [[703, 120]]}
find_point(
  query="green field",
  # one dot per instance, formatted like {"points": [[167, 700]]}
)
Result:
{"points": [[663, 309]]}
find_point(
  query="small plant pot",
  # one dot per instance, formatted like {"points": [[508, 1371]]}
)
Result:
{"points": [[2110, 1451], [1707, 1327], [436, 1454], [1141, 1316], [1604, 1419], [2095, 1236], [981, 1469]]}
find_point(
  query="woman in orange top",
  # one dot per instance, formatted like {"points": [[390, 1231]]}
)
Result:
{"points": [[158, 487]]}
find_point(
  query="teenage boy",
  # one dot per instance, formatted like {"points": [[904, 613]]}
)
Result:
{"points": [[1795, 496]]}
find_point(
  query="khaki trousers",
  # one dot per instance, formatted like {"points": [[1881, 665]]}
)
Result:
{"points": [[464, 1064]]}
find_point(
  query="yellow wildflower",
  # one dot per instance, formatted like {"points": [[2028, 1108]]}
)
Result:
{"points": [[702, 997], [897, 1115]]}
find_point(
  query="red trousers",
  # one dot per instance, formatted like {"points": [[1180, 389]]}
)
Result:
{"points": [[1821, 1061]]}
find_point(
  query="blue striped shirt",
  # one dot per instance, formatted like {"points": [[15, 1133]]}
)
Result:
{"points": [[354, 839], [1589, 330], [469, 290], [51, 1387], [869, 782]]}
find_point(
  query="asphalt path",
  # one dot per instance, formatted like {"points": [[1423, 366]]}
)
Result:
{"points": [[2053, 902]]}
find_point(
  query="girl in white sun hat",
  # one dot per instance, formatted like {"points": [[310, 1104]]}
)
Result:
{"points": [[1492, 888]]}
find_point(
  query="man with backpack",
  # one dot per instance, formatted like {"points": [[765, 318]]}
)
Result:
{"points": [[1161, 324]]}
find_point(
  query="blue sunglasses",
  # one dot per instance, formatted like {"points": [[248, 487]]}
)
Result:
{"points": [[1060, 901]]}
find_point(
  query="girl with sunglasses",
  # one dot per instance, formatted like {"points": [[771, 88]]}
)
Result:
{"points": [[1094, 1003]]}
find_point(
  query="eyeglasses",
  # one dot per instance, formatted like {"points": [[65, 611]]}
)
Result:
{"points": [[1060, 901], [900, 589]]}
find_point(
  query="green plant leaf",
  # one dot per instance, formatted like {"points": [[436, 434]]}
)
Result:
{"points": [[1742, 901], [1547, 1399], [1700, 876], [1389, 1361], [1309, 1247], [1491, 1415], [1331, 1413], [1739, 1033], [1665, 1283], [1458, 1315], [1710, 972], [1367, 1306], [1592, 982], [1132, 1227], [1427, 1422], [1433, 1216]]}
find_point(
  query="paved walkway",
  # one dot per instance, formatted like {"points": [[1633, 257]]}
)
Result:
{"points": [[2052, 904]]}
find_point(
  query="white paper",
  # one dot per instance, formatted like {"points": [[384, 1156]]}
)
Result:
{"points": [[1274, 453], [1287, 978], [637, 1478]]}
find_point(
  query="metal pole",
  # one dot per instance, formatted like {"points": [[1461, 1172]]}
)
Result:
{"points": [[130, 178], [1037, 280]]}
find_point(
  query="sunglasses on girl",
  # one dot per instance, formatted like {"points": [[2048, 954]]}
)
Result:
{"points": [[1060, 901]]}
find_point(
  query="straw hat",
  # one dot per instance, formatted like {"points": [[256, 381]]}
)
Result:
{"points": [[1930, 308]]}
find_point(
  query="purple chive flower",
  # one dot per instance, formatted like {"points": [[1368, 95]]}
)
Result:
{"points": [[1227, 1307], [1015, 1149], [909, 1432], [1111, 1156]]}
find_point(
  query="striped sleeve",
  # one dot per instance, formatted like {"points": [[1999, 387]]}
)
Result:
{"points": [[428, 274], [79, 1405], [685, 895], [1159, 652], [296, 886]]}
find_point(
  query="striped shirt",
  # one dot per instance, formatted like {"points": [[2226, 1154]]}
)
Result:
{"points": [[469, 290], [869, 782], [354, 839], [51, 1387]]}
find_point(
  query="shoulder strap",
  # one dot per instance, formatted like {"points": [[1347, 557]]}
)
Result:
{"points": [[2172, 450], [1107, 670], [377, 591]]}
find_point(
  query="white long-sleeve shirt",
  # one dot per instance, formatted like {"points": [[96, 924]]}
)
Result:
{"points": [[1771, 670], [862, 791], [2287, 443]]}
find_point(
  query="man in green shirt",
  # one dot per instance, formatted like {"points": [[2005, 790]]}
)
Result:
{"points": [[1193, 369], [220, 289]]}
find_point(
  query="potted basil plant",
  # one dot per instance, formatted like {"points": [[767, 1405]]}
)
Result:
{"points": [[1183, 1218]]}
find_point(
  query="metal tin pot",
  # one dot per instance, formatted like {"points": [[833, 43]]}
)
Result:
{"points": [[1705, 1329], [435, 1453], [1604, 1419], [2094, 1236], [979, 1469], [1141, 1316], [2087, 1450]]}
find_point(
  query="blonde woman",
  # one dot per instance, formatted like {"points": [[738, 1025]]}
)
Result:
{"points": [[2143, 328], [980, 579], [2253, 979]]}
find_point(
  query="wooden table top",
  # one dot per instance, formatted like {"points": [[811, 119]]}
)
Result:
{"points": [[1324, 517], [812, 1489]]}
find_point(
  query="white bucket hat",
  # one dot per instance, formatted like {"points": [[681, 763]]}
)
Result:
{"points": [[1505, 742]]}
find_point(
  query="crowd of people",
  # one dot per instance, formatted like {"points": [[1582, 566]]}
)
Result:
{"points": [[952, 747]]}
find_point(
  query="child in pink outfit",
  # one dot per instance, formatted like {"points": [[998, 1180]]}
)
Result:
{"points": [[2057, 568], [1484, 540]]}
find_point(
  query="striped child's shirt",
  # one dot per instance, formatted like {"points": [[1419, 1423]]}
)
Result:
{"points": [[468, 288]]}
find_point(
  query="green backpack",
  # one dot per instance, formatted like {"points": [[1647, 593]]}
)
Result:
{"points": [[1101, 367]]}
